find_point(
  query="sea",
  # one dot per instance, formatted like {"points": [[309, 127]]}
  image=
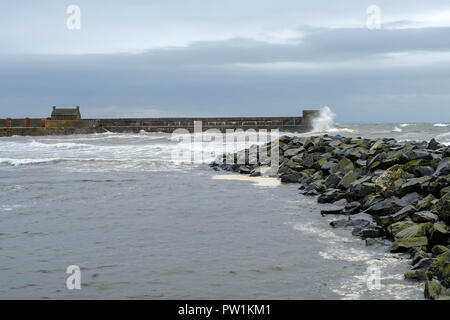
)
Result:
{"points": [[138, 225]]}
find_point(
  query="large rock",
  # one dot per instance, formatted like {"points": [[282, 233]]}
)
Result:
{"points": [[388, 178], [424, 216], [432, 290], [443, 168], [415, 185], [408, 229], [418, 275], [438, 234], [343, 223], [290, 176], [349, 178], [404, 244], [344, 166], [442, 208], [441, 268]]}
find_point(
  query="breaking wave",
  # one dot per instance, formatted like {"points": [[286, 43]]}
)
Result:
{"points": [[325, 123]]}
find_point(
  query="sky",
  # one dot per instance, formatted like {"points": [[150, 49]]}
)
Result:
{"points": [[369, 61]]}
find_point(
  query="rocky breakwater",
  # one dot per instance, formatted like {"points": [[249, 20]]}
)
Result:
{"points": [[403, 187]]}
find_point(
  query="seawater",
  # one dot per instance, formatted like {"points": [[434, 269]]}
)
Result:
{"points": [[140, 225]]}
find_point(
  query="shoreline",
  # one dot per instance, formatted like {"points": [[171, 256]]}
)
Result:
{"points": [[403, 186]]}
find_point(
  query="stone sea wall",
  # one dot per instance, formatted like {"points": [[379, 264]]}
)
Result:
{"points": [[403, 187]]}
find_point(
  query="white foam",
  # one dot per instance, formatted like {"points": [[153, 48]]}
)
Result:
{"points": [[441, 125], [259, 181], [397, 129]]}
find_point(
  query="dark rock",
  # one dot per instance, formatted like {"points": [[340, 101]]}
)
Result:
{"points": [[244, 170], [290, 176], [371, 231], [332, 180], [425, 203], [438, 234], [441, 268], [418, 276], [331, 195], [422, 264], [344, 166], [343, 223], [404, 244], [432, 290], [424, 216], [439, 249], [443, 168], [411, 198], [415, 185], [433, 145]]}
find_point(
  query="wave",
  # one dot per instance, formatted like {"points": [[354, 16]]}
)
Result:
{"points": [[325, 123], [397, 129], [441, 125]]}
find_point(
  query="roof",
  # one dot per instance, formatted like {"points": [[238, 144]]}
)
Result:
{"points": [[65, 111]]}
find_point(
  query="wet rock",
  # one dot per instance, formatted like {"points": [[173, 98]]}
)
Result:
{"points": [[244, 170], [388, 178], [383, 207], [433, 145], [432, 290], [371, 231], [425, 203], [438, 234], [443, 168], [290, 176], [348, 179], [411, 198], [442, 208], [439, 249], [424, 216], [418, 276], [422, 264], [343, 223], [330, 196], [344, 166], [415, 185], [441, 268], [332, 180], [293, 152], [404, 244]]}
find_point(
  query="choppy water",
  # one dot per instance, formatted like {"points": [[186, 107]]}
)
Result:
{"points": [[142, 226]]}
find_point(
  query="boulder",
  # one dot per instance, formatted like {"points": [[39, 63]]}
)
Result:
{"points": [[432, 290], [331, 195], [441, 268], [404, 244], [387, 179], [426, 203], [343, 223], [418, 276], [433, 145], [290, 176], [415, 185], [344, 166], [438, 234], [443, 168], [439, 249], [349, 178], [424, 216]]}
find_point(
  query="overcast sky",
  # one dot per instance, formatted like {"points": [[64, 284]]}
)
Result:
{"points": [[227, 58]]}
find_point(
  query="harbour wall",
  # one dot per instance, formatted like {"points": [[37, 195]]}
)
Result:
{"points": [[38, 127]]}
